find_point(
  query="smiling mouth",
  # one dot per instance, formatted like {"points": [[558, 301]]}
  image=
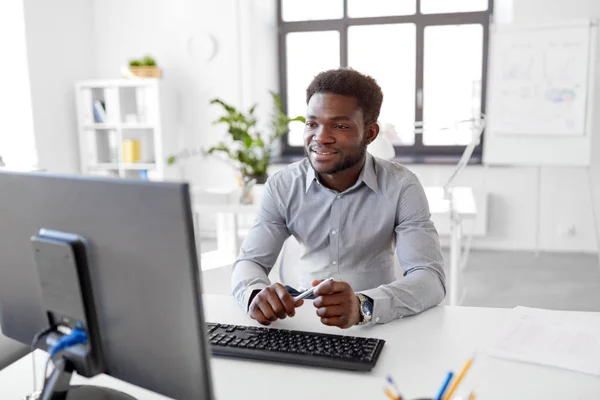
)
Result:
{"points": [[323, 153]]}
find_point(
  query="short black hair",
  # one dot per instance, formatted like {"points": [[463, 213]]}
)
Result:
{"points": [[351, 83]]}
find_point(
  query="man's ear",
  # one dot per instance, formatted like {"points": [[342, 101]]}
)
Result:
{"points": [[372, 131]]}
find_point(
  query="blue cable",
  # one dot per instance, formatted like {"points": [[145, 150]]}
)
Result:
{"points": [[77, 336]]}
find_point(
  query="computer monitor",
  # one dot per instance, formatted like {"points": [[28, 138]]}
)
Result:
{"points": [[133, 267]]}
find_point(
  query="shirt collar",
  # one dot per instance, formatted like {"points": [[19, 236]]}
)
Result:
{"points": [[367, 175]]}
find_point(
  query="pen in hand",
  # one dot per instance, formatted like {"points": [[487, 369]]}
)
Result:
{"points": [[310, 291]]}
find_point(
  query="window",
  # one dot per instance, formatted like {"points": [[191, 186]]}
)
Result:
{"points": [[428, 56], [17, 142]]}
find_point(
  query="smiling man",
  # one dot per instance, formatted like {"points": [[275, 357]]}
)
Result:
{"points": [[352, 214]]}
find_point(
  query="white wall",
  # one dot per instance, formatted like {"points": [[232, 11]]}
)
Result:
{"points": [[530, 208], [17, 141], [164, 29], [60, 46]]}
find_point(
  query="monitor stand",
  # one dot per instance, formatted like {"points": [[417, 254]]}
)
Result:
{"points": [[58, 387]]}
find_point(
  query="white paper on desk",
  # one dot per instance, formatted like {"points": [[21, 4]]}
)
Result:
{"points": [[553, 338]]}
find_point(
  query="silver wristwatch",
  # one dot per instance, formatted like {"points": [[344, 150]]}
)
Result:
{"points": [[366, 308]]}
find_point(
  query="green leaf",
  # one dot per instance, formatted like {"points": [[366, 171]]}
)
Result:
{"points": [[239, 134], [277, 101], [227, 107], [248, 141], [171, 160], [225, 120], [220, 147], [299, 118]]}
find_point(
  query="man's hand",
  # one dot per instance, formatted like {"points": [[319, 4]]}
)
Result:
{"points": [[273, 303], [337, 304]]}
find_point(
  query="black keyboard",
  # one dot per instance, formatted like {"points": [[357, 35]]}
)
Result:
{"points": [[294, 347]]}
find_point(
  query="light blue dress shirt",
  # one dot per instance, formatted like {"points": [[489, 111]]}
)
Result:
{"points": [[352, 236]]}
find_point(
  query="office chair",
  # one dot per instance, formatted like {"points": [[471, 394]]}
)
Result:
{"points": [[286, 268]]}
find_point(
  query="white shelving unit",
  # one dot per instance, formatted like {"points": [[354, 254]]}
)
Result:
{"points": [[139, 110]]}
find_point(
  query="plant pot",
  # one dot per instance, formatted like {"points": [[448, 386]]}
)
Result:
{"points": [[146, 72], [260, 179]]}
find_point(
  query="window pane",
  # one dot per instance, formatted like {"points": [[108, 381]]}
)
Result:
{"points": [[310, 10], [393, 67], [452, 82], [452, 6], [380, 8], [308, 53]]}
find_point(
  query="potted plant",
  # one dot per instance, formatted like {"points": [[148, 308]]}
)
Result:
{"points": [[145, 68], [248, 148]]}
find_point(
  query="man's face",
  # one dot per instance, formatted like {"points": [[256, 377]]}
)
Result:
{"points": [[334, 136]]}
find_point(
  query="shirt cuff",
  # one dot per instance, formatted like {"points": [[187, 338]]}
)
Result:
{"points": [[381, 305], [245, 303]]}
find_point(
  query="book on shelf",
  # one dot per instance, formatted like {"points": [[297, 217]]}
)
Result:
{"points": [[99, 112]]}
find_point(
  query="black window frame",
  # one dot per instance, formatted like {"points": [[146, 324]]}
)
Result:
{"points": [[418, 152]]}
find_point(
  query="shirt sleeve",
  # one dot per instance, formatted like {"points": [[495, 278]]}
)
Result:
{"points": [[260, 249], [418, 249]]}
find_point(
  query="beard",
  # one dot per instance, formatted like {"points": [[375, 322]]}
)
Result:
{"points": [[348, 161]]}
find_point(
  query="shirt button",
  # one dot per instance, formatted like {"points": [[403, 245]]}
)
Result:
{"points": [[333, 232], [338, 197], [377, 319], [335, 262]]}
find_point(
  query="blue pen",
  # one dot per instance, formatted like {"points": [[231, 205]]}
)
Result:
{"points": [[391, 382], [445, 385]]}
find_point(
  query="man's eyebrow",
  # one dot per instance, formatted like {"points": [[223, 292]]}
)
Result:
{"points": [[336, 118]]}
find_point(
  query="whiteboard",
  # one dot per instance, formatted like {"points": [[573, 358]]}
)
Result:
{"points": [[540, 94], [542, 80]]}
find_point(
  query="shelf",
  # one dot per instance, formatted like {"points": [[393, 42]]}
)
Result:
{"points": [[126, 167], [139, 166], [100, 126], [137, 126], [115, 126], [117, 83], [104, 166]]}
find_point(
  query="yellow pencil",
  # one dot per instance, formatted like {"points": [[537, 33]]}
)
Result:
{"points": [[389, 394], [457, 381]]}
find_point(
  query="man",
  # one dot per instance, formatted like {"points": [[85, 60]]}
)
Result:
{"points": [[349, 211]]}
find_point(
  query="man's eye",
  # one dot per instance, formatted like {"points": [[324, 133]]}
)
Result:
{"points": [[310, 124], [340, 127]]}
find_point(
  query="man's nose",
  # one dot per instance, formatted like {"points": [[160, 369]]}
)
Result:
{"points": [[323, 135]]}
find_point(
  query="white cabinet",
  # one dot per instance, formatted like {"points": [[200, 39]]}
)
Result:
{"points": [[126, 129]]}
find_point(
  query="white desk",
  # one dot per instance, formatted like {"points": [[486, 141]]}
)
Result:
{"points": [[463, 207], [418, 353]]}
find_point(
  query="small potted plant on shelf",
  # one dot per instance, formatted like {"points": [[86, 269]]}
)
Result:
{"points": [[144, 68], [247, 148]]}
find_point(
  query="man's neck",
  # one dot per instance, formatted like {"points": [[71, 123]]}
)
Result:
{"points": [[344, 179]]}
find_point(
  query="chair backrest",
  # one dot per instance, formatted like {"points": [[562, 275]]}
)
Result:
{"points": [[285, 268], [289, 256], [477, 127]]}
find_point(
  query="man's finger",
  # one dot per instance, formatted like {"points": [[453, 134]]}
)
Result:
{"points": [[276, 304], [286, 300], [331, 287], [341, 322], [331, 311], [257, 314], [298, 304], [330, 300], [267, 310]]}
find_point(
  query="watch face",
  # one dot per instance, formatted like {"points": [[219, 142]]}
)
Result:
{"points": [[367, 308]]}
